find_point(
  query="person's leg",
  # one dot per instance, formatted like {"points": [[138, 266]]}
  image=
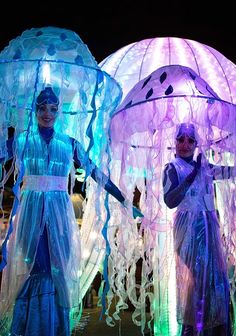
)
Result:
{"points": [[42, 258], [36, 310]]}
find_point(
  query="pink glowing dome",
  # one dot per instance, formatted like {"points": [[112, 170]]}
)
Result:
{"points": [[170, 95], [137, 60]]}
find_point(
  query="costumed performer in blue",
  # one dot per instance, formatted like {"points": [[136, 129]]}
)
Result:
{"points": [[203, 299], [40, 282]]}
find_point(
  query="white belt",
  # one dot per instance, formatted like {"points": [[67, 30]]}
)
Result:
{"points": [[45, 183]]}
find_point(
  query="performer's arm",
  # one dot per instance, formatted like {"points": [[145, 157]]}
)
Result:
{"points": [[174, 192], [113, 190], [109, 186]]}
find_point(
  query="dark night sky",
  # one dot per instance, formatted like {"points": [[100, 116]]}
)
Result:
{"points": [[109, 26]]}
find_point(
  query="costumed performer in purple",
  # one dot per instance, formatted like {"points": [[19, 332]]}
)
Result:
{"points": [[202, 282]]}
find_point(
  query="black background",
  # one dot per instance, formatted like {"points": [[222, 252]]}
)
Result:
{"points": [[108, 26]]}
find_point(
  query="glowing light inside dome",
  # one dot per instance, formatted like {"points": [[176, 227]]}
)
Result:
{"points": [[133, 62], [46, 73]]}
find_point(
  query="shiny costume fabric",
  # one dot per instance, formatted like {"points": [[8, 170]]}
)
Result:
{"points": [[202, 285], [42, 274]]}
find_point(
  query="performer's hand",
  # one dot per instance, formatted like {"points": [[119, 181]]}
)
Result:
{"points": [[137, 213]]}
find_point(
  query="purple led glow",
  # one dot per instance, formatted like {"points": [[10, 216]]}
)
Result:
{"points": [[137, 60], [199, 327], [168, 96]]}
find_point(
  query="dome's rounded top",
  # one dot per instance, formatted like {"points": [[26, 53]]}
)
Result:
{"points": [[48, 43], [137, 60], [169, 96], [56, 58]]}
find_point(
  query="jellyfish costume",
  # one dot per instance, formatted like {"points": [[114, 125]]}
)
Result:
{"points": [[41, 252], [180, 256], [202, 279]]}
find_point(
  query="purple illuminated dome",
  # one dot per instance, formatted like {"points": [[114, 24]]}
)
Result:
{"points": [[137, 60], [170, 95]]}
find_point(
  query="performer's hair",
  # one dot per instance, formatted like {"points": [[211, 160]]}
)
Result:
{"points": [[47, 96], [186, 129]]}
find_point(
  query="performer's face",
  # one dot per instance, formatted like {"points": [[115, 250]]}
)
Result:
{"points": [[46, 115], [185, 146]]}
